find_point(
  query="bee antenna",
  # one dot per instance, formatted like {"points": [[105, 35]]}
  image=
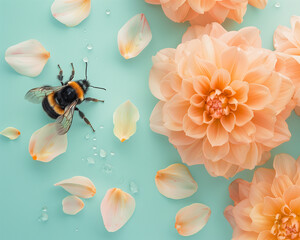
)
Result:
{"points": [[98, 87], [86, 70]]}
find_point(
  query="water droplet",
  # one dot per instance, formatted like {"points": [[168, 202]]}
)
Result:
{"points": [[112, 153], [101, 127], [90, 160], [107, 168], [83, 159], [102, 153], [87, 136], [76, 229], [94, 148], [85, 59], [44, 209], [95, 154], [108, 12], [89, 46], [277, 5], [133, 187], [44, 217], [94, 139]]}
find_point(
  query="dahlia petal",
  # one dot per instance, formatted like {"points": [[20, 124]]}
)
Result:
{"points": [[179, 138], [191, 219], [192, 154], [229, 216], [238, 153], [27, 58], [192, 129], [263, 175], [218, 13], [153, 1], [202, 85], [243, 115], [241, 213], [295, 206], [72, 205], [241, 90], [260, 222], [201, 6], [46, 144], [197, 101], [296, 29], [285, 165], [156, 120], [11, 133], [253, 156], [258, 96], [258, 192], [259, 57], [134, 36], [187, 89], [220, 79], [266, 235], [175, 182], [280, 185], [243, 134], [258, 3], [216, 134], [215, 153], [125, 118], [290, 194], [117, 208], [228, 122], [272, 205], [182, 14], [221, 168], [239, 190]]}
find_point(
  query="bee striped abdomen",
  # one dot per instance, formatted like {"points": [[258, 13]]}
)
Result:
{"points": [[51, 107]]}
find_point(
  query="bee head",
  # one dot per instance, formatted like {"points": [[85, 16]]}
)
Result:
{"points": [[84, 84]]}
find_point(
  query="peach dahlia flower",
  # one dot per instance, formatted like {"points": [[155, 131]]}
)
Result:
{"points": [[206, 11], [268, 208], [221, 101]]}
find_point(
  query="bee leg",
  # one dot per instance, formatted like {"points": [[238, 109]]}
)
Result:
{"points": [[73, 73], [93, 100], [60, 75], [81, 114]]}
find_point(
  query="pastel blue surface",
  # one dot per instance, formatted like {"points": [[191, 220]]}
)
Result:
{"points": [[26, 185]]}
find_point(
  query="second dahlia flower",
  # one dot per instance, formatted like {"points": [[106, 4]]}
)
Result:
{"points": [[268, 208], [221, 101]]}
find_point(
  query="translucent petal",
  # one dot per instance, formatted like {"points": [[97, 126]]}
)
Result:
{"points": [[27, 58], [116, 208], [71, 12], [78, 186], [11, 133], [45, 144], [72, 205], [191, 219], [125, 118], [175, 182], [134, 36]]}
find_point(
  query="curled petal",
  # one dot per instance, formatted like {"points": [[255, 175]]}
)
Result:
{"points": [[175, 182], [78, 186], [27, 58], [125, 118], [191, 219], [72, 205], [134, 36], [258, 3], [45, 144], [71, 12], [117, 208], [11, 133]]}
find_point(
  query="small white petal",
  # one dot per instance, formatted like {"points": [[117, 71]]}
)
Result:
{"points": [[27, 58], [72, 205], [125, 118], [117, 208], [134, 36], [78, 186], [45, 144], [71, 12], [175, 182], [11, 133], [191, 219]]}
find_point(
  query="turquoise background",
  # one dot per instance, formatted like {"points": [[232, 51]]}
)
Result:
{"points": [[26, 185]]}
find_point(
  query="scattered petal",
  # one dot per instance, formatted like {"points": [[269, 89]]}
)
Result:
{"points": [[191, 219], [175, 182], [134, 36], [45, 144], [125, 118], [71, 12], [11, 133], [116, 208], [27, 58], [72, 205], [78, 186]]}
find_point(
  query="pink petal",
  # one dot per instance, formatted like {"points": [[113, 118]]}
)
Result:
{"points": [[215, 153], [175, 182], [78, 186], [280, 185], [241, 213], [259, 96], [258, 3], [71, 12], [45, 144], [201, 6], [11, 133], [216, 134], [285, 164], [243, 114], [260, 222], [117, 208], [191, 219], [239, 190], [134, 36], [27, 58], [72, 205], [192, 154]]}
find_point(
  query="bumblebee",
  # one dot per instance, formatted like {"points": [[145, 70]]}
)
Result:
{"points": [[61, 102]]}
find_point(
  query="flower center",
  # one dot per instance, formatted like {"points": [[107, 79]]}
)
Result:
{"points": [[286, 226], [216, 104]]}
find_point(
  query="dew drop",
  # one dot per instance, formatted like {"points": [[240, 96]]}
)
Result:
{"points": [[87, 136], [44, 209], [277, 5], [107, 168], [90, 160], [94, 148], [44, 217], [95, 154], [133, 187], [102, 153], [83, 159], [85, 59], [89, 46], [76, 229], [94, 139], [112, 154], [107, 12], [101, 127]]}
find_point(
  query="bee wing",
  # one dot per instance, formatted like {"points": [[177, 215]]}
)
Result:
{"points": [[64, 122], [36, 95]]}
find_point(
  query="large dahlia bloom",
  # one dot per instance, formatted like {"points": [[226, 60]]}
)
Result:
{"points": [[222, 104], [268, 208], [287, 45], [206, 11]]}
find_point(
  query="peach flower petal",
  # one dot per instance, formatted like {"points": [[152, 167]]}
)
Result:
{"points": [[284, 164], [175, 182], [46, 144], [280, 185], [216, 134], [201, 6], [258, 96], [27, 58], [258, 3], [11, 133], [134, 36], [125, 118], [239, 190], [191, 219], [117, 208], [79, 186], [72, 205], [71, 12]]}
